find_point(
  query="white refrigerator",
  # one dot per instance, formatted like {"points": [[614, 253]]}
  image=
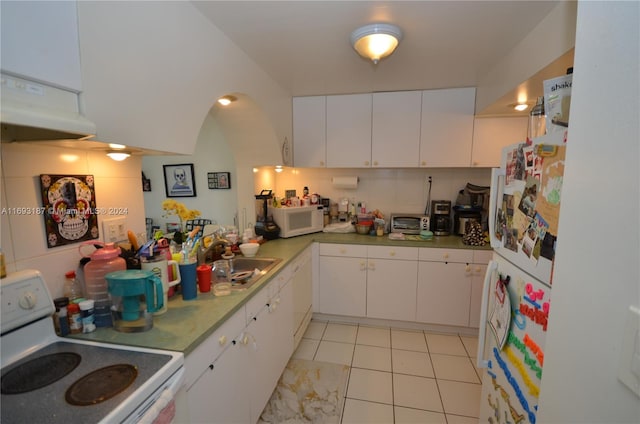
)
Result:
{"points": [[523, 223]]}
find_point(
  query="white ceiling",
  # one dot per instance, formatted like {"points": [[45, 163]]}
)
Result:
{"points": [[304, 45]]}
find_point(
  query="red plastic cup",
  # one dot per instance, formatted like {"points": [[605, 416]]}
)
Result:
{"points": [[203, 273]]}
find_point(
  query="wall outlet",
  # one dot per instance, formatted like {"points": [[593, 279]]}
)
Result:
{"points": [[115, 229]]}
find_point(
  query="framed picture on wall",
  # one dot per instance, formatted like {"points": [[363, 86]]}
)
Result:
{"points": [[219, 180], [179, 180]]}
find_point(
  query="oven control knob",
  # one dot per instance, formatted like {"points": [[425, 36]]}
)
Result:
{"points": [[28, 300]]}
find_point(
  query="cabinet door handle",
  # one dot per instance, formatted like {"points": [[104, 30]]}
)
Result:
{"points": [[392, 253], [445, 256], [366, 163], [375, 163], [372, 266], [210, 366], [343, 251], [321, 163], [363, 265], [222, 340], [423, 163]]}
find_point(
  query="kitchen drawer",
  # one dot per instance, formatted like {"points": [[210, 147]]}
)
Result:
{"points": [[482, 256], [392, 252], [349, 250], [446, 255], [206, 353]]}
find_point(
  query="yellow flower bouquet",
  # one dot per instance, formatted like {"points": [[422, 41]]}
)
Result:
{"points": [[178, 209]]}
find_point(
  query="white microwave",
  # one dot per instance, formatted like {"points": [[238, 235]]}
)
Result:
{"points": [[295, 221]]}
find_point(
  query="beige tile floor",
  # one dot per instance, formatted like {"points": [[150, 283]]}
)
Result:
{"points": [[398, 375]]}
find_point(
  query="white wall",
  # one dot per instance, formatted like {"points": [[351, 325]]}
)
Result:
{"points": [[596, 275], [212, 154], [389, 190], [152, 70], [117, 184]]}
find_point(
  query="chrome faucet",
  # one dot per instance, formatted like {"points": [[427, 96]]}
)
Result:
{"points": [[205, 253]]}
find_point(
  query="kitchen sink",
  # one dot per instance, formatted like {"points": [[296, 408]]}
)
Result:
{"points": [[245, 272]]}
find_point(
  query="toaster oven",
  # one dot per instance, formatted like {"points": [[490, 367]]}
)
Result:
{"points": [[408, 223]]}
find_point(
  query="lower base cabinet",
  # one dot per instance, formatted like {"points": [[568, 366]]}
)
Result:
{"points": [[268, 341], [220, 394], [232, 374], [444, 293], [343, 286]]}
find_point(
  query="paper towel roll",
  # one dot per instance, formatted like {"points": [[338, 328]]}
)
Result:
{"points": [[345, 182]]}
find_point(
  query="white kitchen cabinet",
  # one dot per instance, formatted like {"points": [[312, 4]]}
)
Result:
{"points": [[490, 135], [343, 279], [392, 276], [395, 137], [40, 42], [349, 131], [301, 276], [268, 341], [476, 272], [309, 132], [444, 290], [214, 376], [220, 395], [447, 127]]}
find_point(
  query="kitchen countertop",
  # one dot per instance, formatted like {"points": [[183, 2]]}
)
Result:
{"points": [[187, 323]]}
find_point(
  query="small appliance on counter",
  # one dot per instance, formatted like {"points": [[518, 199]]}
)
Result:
{"points": [[407, 223], [135, 295], [441, 217], [464, 214], [265, 226]]}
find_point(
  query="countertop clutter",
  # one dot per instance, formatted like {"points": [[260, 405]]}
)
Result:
{"points": [[186, 324]]}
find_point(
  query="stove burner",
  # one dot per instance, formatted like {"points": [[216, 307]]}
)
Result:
{"points": [[39, 372], [101, 384]]}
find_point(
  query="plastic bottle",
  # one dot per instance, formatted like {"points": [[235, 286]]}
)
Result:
{"points": [[60, 318], [75, 319], [72, 286], [103, 261]]}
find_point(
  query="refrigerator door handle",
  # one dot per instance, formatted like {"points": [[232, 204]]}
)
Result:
{"points": [[488, 277], [496, 173]]}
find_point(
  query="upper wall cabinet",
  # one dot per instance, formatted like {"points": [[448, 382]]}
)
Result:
{"points": [[309, 132], [404, 129], [447, 127], [349, 131], [395, 138], [490, 135], [40, 42]]}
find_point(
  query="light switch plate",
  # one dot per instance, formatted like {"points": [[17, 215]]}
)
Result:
{"points": [[629, 366], [115, 229]]}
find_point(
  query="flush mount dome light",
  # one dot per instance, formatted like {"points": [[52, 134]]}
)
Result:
{"points": [[226, 100], [376, 41], [118, 155]]}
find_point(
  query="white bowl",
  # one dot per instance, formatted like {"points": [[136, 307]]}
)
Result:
{"points": [[249, 250]]}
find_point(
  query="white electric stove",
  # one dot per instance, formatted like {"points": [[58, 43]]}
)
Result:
{"points": [[46, 378]]}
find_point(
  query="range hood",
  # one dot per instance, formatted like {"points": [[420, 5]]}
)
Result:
{"points": [[34, 111]]}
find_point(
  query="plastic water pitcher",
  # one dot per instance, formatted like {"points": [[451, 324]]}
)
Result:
{"points": [[103, 261]]}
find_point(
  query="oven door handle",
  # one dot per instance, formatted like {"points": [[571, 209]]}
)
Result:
{"points": [[165, 399]]}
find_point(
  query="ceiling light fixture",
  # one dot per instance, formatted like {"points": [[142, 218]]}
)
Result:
{"points": [[376, 41], [521, 107], [226, 100], [118, 155]]}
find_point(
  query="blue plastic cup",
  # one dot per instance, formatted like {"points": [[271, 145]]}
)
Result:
{"points": [[189, 280]]}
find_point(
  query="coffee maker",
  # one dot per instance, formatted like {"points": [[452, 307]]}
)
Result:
{"points": [[441, 217]]}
